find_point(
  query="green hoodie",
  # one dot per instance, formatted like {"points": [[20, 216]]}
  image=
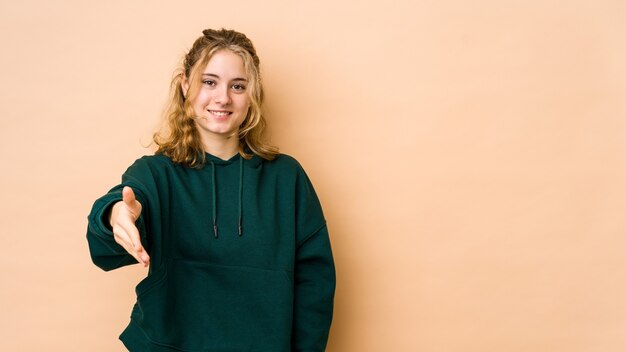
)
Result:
{"points": [[240, 256]]}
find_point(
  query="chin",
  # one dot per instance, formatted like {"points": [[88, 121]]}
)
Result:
{"points": [[222, 131]]}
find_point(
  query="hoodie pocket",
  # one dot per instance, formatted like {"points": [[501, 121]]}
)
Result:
{"points": [[151, 281], [195, 306]]}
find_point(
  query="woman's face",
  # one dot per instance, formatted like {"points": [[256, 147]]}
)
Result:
{"points": [[222, 101]]}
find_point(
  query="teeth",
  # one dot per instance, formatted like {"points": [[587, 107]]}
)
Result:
{"points": [[220, 113]]}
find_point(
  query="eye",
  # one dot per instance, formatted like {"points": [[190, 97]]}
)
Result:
{"points": [[239, 87], [209, 82]]}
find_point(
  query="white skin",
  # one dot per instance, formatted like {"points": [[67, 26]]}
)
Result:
{"points": [[221, 106]]}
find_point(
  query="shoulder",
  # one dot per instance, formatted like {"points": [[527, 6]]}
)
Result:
{"points": [[154, 161], [290, 170], [150, 164], [285, 163]]}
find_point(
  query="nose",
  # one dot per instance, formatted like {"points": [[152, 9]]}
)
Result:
{"points": [[222, 95]]}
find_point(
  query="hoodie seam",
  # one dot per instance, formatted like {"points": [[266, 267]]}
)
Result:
{"points": [[306, 238], [150, 340], [258, 268]]}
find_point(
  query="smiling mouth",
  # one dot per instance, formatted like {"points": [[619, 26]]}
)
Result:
{"points": [[220, 113]]}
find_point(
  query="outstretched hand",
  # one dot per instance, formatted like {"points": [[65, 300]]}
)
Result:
{"points": [[123, 216]]}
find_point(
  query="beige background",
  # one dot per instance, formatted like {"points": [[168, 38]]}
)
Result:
{"points": [[470, 157]]}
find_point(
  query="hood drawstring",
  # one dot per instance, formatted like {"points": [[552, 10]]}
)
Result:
{"points": [[214, 192], [240, 227], [214, 199]]}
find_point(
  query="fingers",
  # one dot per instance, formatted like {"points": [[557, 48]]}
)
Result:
{"points": [[140, 253], [127, 235]]}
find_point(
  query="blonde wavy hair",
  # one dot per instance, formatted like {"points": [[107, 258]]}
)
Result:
{"points": [[178, 138]]}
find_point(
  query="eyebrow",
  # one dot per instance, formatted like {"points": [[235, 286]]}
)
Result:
{"points": [[216, 76]]}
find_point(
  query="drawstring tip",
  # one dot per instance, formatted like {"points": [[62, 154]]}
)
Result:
{"points": [[215, 230], [240, 230]]}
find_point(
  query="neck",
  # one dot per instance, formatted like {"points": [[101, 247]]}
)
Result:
{"points": [[223, 148]]}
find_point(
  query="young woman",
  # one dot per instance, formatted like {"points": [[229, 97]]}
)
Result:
{"points": [[233, 233]]}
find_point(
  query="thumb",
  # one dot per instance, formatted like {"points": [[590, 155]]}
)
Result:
{"points": [[128, 196]]}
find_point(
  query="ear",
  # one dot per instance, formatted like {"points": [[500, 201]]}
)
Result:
{"points": [[184, 86]]}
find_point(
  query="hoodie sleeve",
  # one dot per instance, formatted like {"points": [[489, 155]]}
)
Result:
{"points": [[105, 252], [314, 274]]}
